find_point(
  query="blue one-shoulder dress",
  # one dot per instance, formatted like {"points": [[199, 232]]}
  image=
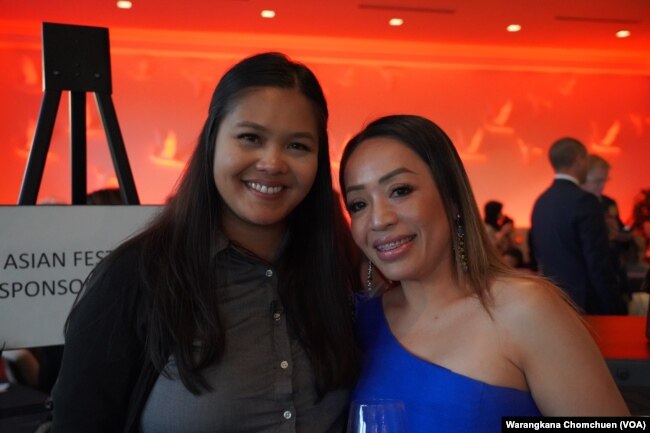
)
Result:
{"points": [[435, 398]]}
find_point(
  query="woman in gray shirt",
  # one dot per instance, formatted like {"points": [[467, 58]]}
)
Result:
{"points": [[231, 312]]}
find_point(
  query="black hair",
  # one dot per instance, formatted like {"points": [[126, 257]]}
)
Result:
{"points": [[177, 249], [105, 196], [492, 212]]}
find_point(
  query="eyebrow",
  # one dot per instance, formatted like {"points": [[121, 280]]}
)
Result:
{"points": [[385, 178], [260, 128]]}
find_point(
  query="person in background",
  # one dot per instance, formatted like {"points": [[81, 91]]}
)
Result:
{"points": [[645, 287], [232, 311], [500, 228], [105, 196], [597, 177], [569, 237], [514, 257], [19, 365], [641, 209], [620, 238], [462, 339], [645, 234], [641, 223]]}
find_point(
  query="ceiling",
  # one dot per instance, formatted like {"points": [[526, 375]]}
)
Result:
{"points": [[560, 24]]}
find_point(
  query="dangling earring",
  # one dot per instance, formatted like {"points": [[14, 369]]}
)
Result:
{"points": [[369, 277], [460, 241]]}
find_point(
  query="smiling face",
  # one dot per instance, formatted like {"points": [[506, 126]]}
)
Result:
{"points": [[398, 218], [266, 158]]}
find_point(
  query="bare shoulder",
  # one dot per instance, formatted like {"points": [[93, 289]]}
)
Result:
{"points": [[545, 338], [529, 310]]}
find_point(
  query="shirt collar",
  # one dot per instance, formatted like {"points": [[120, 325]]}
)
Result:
{"points": [[222, 242], [568, 177]]}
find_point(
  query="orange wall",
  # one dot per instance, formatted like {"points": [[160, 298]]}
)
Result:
{"points": [[501, 118]]}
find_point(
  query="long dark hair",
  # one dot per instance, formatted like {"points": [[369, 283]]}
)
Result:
{"points": [[177, 249], [434, 147]]}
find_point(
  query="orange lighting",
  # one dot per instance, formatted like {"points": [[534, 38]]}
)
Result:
{"points": [[124, 4], [623, 33], [396, 22], [499, 130], [513, 28], [267, 13]]}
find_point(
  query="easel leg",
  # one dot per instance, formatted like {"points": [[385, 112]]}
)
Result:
{"points": [[78, 146], [118, 151], [40, 146]]}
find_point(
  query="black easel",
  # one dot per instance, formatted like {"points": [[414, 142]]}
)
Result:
{"points": [[77, 59]]}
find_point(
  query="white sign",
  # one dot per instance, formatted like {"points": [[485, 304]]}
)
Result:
{"points": [[46, 253]]}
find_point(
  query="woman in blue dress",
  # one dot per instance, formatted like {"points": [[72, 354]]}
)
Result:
{"points": [[460, 338]]}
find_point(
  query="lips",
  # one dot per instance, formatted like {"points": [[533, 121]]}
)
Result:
{"points": [[385, 246], [264, 189]]}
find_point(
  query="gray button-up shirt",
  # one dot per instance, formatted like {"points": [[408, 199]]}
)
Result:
{"points": [[264, 382]]}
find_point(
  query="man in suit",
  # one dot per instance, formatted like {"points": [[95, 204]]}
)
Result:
{"points": [[569, 236]]}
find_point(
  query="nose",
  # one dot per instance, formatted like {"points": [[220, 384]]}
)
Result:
{"points": [[382, 216], [272, 161]]}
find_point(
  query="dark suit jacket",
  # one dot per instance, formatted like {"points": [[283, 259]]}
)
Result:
{"points": [[569, 239]]}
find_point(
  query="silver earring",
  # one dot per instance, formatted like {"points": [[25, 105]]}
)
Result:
{"points": [[369, 277], [460, 237]]}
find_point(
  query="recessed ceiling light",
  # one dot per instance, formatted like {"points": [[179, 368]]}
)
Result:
{"points": [[513, 28], [267, 13], [124, 4], [396, 22], [623, 33]]}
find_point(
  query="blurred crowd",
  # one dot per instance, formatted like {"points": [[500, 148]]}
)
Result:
{"points": [[628, 240]]}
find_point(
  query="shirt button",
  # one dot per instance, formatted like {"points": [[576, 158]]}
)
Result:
{"points": [[284, 364], [269, 272], [276, 316], [287, 414]]}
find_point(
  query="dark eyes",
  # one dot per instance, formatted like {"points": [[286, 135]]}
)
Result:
{"points": [[401, 191], [395, 192], [299, 146], [356, 206], [256, 139], [249, 138]]}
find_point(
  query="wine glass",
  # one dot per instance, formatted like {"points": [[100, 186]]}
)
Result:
{"points": [[377, 416]]}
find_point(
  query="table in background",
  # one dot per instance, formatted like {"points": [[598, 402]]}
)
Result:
{"points": [[22, 409], [626, 349]]}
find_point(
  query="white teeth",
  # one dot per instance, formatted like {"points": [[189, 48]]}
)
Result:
{"points": [[392, 245], [264, 189]]}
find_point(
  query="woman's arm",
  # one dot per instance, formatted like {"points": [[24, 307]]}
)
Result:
{"points": [[564, 368], [102, 356]]}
